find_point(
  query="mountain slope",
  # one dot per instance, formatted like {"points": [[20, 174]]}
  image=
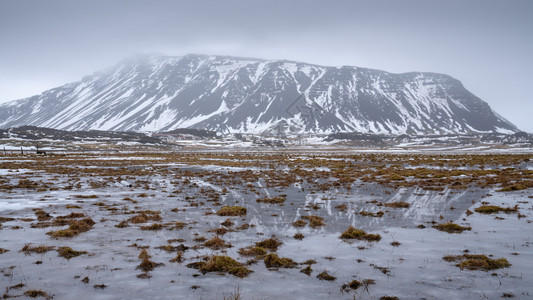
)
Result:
{"points": [[228, 94]]}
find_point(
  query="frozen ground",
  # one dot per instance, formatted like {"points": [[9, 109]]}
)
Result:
{"points": [[407, 262]]}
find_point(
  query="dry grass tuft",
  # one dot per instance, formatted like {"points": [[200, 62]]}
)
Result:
{"points": [[315, 221], [146, 264], [271, 244], [68, 253], [489, 209], [272, 260], [36, 293], [153, 227], [273, 200], [178, 259], [299, 223], [220, 231], [354, 285], [224, 264], [298, 236], [307, 270], [41, 249], [451, 227], [227, 223], [85, 196], [477, 262], [513, 187], [232, 211], [354, 233], [217, 243], [143, 218], [324, 275], [169, 248], [42, 215], [76, 227], [122, 224], [341, 207], [399, 204], [252, 251], [378, 214]]}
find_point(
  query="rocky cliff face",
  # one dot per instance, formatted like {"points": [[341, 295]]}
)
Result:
{"points": [[228, 94]]}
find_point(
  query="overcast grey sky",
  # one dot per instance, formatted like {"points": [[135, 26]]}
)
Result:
{"points": [[486, 44]]}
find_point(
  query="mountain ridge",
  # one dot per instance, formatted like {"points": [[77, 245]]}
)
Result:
{"points": [[236, 94]]}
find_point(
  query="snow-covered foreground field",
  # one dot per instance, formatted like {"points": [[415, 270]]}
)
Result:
{"points": [[213, 225]]}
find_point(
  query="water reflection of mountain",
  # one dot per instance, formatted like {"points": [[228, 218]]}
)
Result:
{"points": [[425, 206]]}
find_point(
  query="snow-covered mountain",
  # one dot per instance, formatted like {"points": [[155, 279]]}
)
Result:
{"points": [[229, 94]]}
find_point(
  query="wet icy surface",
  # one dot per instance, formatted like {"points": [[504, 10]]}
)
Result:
{"points": [[413, 270]]}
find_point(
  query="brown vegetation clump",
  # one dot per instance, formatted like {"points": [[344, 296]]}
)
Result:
{"points": [[122, 224], [68, 253], [217, 243], [144, 217], [2, 250], [146, 264], [200, 239], [273, 200], [298, 236], [395, 244], [17, 286], [395, 176], [34, 185], [7, 219], [354, 233], [232, 211], [341, 207], [224, 264], [514, 187], [76, 227], [41, 249], [477, 262], [169, 248], [72, 206], [85, 196], [179, 225], [227, 223], [315, 221], [220, 231], [36, 293], [252, 251], [65, 220], [324, 275], [144, 255], [178, 258], [451, 227], [271, 244], [42, 215], [489, 209], [99, 286], [378, 214], [244, 227], [398, 204], [153, 227], [272, 260], [354, 285], [72, 215], [307, 270], [299, 223]]}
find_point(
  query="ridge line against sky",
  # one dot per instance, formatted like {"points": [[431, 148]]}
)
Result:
{"points": [[485, 44]]}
